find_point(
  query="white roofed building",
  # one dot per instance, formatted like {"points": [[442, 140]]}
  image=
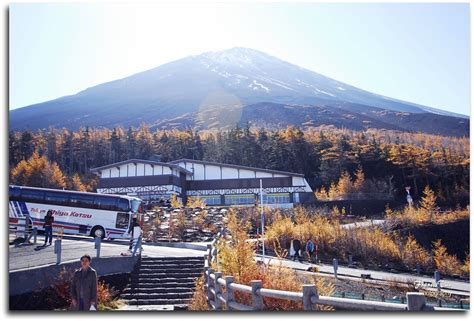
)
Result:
{"points": [[217, 184]]}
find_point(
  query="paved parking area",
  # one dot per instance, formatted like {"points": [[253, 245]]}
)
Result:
{"points": [[34, 255]]}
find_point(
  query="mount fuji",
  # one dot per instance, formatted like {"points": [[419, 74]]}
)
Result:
{"points": [[218, 81]]}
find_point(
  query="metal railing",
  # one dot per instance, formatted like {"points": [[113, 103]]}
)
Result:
{"points": [[221, 290]]}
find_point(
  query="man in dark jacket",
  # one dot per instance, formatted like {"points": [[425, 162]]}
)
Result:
{"points": [[297, 248], [48, 227], [84, 286]]}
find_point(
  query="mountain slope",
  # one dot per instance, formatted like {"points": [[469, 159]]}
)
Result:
{"points": [[234, 77], [344, 115]]}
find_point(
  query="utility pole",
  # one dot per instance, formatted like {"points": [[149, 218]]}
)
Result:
{"points": [[262, 220]]}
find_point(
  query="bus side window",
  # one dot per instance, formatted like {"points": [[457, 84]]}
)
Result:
{"points": [[14, 192], [32, 195], [105, 203], [82, 201], [57, 198], [123, 205]]}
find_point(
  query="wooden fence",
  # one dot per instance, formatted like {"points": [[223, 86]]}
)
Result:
{"points": [[221, 289]]}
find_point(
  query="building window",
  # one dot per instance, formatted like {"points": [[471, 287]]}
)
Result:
{"points": [[279, 198], [240, 199], [210, 199]]}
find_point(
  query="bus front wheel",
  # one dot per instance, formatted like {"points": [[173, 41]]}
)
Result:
{"points": [[98, 231]]}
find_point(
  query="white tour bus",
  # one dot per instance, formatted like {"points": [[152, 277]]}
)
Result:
{"points": [[97, 215]]}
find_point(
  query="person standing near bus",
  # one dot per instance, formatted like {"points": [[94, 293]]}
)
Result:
{"points": [[310, 249], [48, 227], [84, 286], [134, 231]]}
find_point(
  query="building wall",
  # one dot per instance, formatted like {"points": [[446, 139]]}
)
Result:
{"points": [[140, 169], [219, 184], [208, 172]]}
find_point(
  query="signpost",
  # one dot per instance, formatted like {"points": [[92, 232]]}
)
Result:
{"points": [[409, 198]]}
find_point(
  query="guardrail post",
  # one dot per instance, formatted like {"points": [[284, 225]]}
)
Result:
{"points": [[206, 281], [309, 290], [218, 290], [209, 252], [21, 228], [416, 301], [57, 250], [138, 244], [257, 299], [210, 285], [214, 254], [335, 265], [229, 293], [97, 245]]}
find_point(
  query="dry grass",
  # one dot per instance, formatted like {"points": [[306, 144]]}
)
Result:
{"points": [[332, 239], [236, 258], [368, 245], [426, 212], [199, 300]]}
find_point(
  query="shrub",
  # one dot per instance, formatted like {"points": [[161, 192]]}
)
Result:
{"points": [[199, 299], [413, 254], [445, 263], [107, 297], [465, 268], [237, 258]]}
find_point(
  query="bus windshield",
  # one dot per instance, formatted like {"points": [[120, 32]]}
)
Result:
{"points": [[135, 205]]}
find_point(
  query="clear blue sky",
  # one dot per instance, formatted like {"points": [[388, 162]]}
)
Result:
{"points": [[414, 52]]}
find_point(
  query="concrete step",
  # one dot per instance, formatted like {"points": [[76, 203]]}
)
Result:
{"points": [[172, 261], [159, 290], [157, 296], [158, 275], [180, 303], [168, 307], [167, 285], [169, 270], [173, 258], [162, 280], [171, 266]]}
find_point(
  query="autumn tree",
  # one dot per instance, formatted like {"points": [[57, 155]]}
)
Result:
{"points": [[39, 172], [428, 202], [76, 184]]}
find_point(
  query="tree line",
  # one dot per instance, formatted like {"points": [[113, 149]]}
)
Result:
{"points": [[323, 154]]}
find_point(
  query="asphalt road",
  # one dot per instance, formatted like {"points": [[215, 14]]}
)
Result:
{"points": [[447, 285]]}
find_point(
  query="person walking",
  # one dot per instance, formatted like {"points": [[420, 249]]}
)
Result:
{"points": [[134, 231], [310, 250], [48, 227], [297, 248], [84, 286], [292, 249]]}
